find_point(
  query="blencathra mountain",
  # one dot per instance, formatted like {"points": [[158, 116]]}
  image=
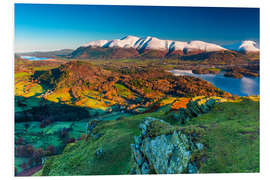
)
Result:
{"points": [[152, 47]]}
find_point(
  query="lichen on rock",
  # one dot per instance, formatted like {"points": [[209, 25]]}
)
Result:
{"points": [[167, 153]]}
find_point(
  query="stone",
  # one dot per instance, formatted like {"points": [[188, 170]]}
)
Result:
{"points": [[138, 140], [138, 157], [90, 126], [165, 154], [99, 152], [143, 129], [145, 168], [192, 169], [199, 146]]}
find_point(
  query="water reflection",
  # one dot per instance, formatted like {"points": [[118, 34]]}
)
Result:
{"points": [[33, 58], [241, 87], [248, 85]]}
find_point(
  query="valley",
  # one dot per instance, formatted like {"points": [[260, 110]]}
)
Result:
{"points": [[83, 114]]}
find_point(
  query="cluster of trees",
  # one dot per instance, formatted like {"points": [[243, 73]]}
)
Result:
{"points": [[34, 155], [45, 122]]}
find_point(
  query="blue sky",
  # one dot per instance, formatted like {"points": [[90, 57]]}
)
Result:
{"points": [[50, 27]]}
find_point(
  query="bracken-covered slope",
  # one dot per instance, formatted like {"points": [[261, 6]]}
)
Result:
{"points": [[151, 83], [77, 85]]}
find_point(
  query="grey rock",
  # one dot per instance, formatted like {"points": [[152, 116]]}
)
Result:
{"points": [[138, 140], [165, 154], [199, 146], [145, 168], [99, 152], [137, 154], [192, 169]]}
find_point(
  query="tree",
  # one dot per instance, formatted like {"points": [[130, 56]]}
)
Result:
{"points": [[37, 155], [30, 163], [23, 165], [19, 141], [24, 150], [51, 150]]}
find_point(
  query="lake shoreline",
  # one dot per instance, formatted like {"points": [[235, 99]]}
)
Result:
{"points": [[245, 86]]}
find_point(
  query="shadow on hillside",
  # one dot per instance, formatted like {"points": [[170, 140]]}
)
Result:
{"points": [[36, 109], [47, 78]]}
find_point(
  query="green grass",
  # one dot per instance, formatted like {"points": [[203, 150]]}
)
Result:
{"points": [[229, 133], [117, 135], [122, 90], [81, 160], [39, 173], [231, 136]]}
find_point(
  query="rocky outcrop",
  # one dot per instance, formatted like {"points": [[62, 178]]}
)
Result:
{"points": [[194, 108], [167, 153], [90, 127]]}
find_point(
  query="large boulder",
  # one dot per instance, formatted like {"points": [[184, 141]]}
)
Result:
{"points": [[166, 153]]}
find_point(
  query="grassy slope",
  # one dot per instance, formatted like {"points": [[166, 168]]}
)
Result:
{"points": [[80, 158], [231, 139]]}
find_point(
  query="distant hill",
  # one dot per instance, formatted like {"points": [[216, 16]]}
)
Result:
{"points": [[62, 52]]}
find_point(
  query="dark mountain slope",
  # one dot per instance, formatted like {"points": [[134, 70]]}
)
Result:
{"points": [[103, 53]]}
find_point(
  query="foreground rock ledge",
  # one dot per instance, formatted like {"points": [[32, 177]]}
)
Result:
{"points": [[168, 153]]}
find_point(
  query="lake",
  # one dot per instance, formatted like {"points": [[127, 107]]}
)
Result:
{"points": [[242, 87], [33, 58]]}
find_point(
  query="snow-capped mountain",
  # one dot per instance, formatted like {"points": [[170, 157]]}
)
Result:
{"points": [[248, 47], [244, 46], [152, 47], [154, 43]]}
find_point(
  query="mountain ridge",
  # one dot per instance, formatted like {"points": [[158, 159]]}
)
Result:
{"points": [[149, 42], [154, 43], [152, 47]]}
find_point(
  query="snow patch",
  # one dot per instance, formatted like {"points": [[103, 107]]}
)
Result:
{"points": [[156, 44], [248, 46]]}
